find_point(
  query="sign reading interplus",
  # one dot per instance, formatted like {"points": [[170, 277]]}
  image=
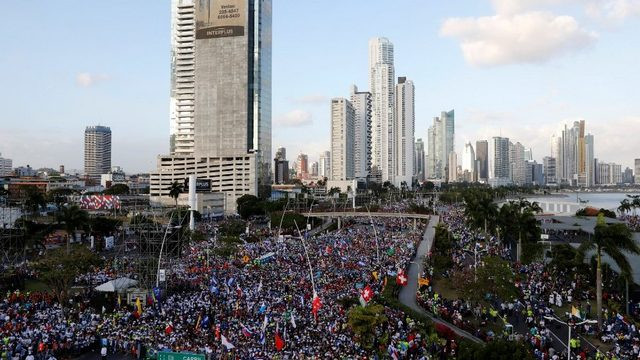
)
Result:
{"points": [[179, 356], [220, 18]]}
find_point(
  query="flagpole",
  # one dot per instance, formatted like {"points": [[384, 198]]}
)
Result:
{"points": [[375, 232], [313, 284]]}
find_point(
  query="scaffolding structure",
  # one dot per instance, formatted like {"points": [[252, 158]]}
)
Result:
{"points": [[149, 244], [13, 244]]}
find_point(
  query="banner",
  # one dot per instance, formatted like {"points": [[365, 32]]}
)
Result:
{"points": [[220, 18], [99, 202]]}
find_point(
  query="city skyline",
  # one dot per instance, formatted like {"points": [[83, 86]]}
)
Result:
{"points": [[126, 86]]}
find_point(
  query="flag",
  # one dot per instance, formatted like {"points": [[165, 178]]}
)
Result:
{"points": [[316, 304], [168, 329], [265, 323], [401, 279], [198, 322], [366, 295], [217, 331], [214, 290], [205, 322], [245, 331], [263, 339], [238, 290], [260, 286], [575, 312], [279, 342], [226, 343], [262, 309], [423, 282], [375, 275], [293, 321], [230, 281], [119, 300], [139, 306]]}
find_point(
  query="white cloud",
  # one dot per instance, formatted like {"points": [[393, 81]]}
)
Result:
{"points": [[87, 79], [613, 10], [314, 99], [531, 37], [294, 118]]}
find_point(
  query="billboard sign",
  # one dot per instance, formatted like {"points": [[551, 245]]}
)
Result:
{"points": [[163, 355], [202, 185], [220, 18], [99, 202]]}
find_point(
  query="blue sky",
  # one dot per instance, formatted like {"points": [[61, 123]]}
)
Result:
{"points": [[519, 68]]}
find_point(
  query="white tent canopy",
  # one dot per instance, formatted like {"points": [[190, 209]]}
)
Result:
{"points": [[117, 285]]}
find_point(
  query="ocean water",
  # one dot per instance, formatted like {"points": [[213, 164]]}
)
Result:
{"points": [[609, 201]]}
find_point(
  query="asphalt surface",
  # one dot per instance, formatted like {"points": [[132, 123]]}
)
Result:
{"points": [[408, 293]]}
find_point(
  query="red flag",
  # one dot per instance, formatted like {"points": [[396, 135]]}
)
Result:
{"points": [[169, 329], [217, 332], [402, 279], [316, 304], [279, 342], [366, 294]]}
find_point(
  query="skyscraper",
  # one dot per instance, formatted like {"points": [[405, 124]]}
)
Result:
{"points": [[361, 102], [498, 161], [636, 171], [342, 139], [549, 170], [452, 175], [469, 163], [97, 151], [404, 131], [281, 167], [587, 175], [302, 166], [220, 97], [324, 165], [419, 160], [281, 153], [482, 150], [573, 150], [382, 87], [440, 144], [517, 165]]}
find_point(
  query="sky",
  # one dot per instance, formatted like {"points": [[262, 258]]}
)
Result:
{"points": [[516, 68]]}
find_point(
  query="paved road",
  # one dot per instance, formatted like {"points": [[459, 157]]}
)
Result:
{"points": [[366, 214], [408, 293]]}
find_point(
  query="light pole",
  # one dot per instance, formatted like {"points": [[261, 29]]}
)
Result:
{"points": [[569, 325]]}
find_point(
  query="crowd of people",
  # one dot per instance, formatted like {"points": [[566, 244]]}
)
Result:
{"points": [[543, 291], [275, 298]]}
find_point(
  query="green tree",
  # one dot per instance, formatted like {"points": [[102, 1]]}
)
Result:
{"points": [[518, 217], [117, 189], [175, 190], [494, 350], [364, 321], [613, 240], [73, 218], [59, 196], [249, 205], [496, 277], [625, 206], [34, 200], [58, 268]]}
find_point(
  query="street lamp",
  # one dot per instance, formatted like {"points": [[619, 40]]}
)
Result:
{"points": [[569, 325]]}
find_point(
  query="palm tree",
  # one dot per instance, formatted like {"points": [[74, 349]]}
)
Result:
{"points": [[518, 217], [625, 206], [613, 240], [74, 218], [175, 190]]}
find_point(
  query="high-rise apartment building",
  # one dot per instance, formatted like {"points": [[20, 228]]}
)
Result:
{"points": [[97, 151], [6, 166], [440, 144], [419, 160], [302, 166], [636, 171], [469, 163], [324, 165], [361, 102], [342, 144], [574, 153], [405, 131], [382, 87], [549, 170], [281, 153], [182, 100], [586, 176], [517, 165], [220, 97], [608, 173], [314, 169], [281, 167], [498, 161], [482, 151], [452, 174]]}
